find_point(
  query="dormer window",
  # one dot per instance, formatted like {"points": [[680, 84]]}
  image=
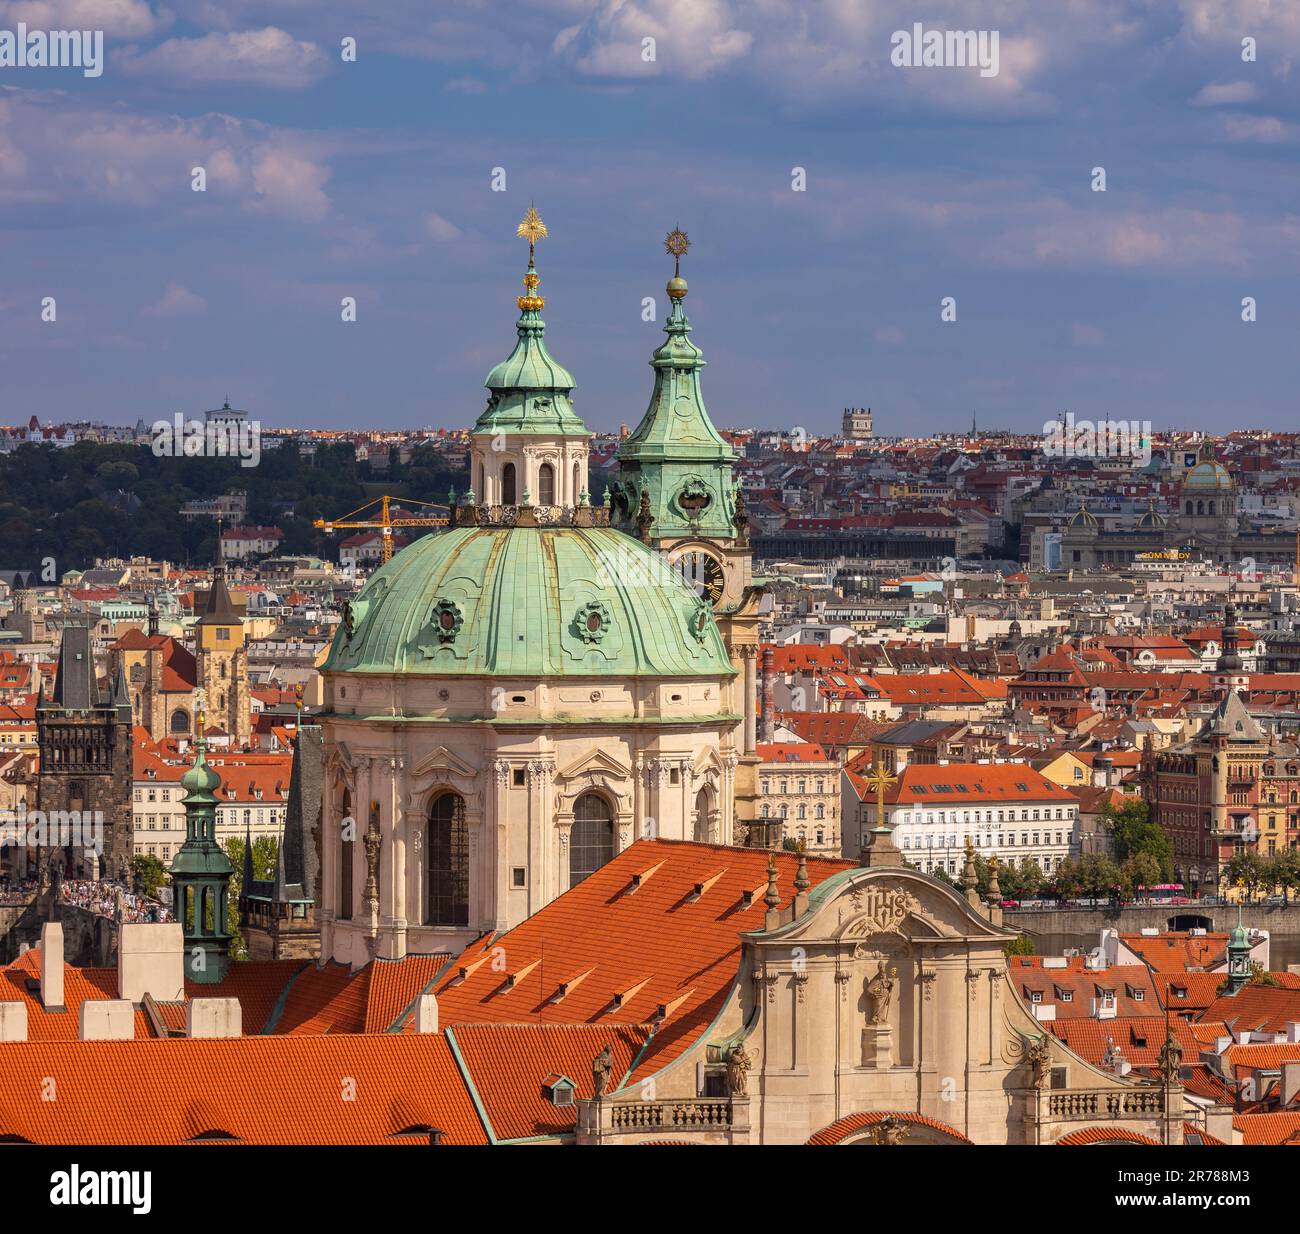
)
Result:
{"points": [[559, 1090]]}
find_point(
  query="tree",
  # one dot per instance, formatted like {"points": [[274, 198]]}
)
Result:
{"points": [[1098, 876], [1140, 871], [1066, 880], [1132, 831], [1022, 944], [264, 855], [148, 874], [1246, 869], [1286, 872]]}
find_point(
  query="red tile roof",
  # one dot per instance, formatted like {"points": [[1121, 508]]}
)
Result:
{"points": [[1105, 1135], [626, 950], [258, 1090]]}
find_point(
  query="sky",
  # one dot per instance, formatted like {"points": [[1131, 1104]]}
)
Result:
{"points": [[376, 178]]}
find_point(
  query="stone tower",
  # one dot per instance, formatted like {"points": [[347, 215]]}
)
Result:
{"points": [[676, 491], [84, 741], [201, 875], [223, 660], [278, 915]]}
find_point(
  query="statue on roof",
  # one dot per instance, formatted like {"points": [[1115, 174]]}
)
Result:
{"points": [[602, 1068], [889, 1130], [1169, 1061], [738, 1065]]}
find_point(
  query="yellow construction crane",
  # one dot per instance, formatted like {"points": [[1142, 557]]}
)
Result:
{"points": [[385, 522]]}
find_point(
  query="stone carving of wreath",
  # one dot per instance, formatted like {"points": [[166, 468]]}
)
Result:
{"points": [[592, 621], [698, 622], [447, 620]]}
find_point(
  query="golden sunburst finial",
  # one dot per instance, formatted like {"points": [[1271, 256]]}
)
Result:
{"points": [[531, 229], [677, 244]]}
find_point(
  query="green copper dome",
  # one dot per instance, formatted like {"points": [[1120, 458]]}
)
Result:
{"points": [[200, 782], [530, 602]]}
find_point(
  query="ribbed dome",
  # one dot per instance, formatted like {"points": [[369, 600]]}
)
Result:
{"points": [[530, 602], [1083, 517], [1209, 473]]}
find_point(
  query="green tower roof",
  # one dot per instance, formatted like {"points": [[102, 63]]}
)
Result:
{"points": [[530, 602], [675, 454], [529, 388]]}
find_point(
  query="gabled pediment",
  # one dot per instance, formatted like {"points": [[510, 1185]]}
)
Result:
{"points": [[707, 760], [443, 761], [598, 761]]}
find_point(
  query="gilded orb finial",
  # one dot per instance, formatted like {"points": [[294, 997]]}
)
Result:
{"points": [[677, 244], [531, 229]]}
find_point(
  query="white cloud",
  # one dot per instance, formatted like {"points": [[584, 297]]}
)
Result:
{"points": [[267, 57], [889, 336], [440, 229], [1082, 335], [290, 184], [692, 38], [465, 85], [57, 149], [119, 19], [1267, 129], [1219, 94], [176, 301]]}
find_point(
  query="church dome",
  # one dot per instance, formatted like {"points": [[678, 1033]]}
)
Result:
{"points": [[520, 601], [1209, 475], [1083, 517]]}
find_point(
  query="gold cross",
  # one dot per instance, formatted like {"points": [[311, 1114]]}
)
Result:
{"points": [[880, 779]]}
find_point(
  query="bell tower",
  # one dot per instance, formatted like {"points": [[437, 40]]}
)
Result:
{"points": [[676, 491], [222, 659]]}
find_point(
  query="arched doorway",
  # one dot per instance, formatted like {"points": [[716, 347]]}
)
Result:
{"points": [[347, 848], [703, 805], [508, 485], [448, 862], [591, 840]]}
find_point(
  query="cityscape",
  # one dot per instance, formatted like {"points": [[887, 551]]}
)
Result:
{"points": [[679, 770]]}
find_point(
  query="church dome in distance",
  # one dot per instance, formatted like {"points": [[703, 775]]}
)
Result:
{"points": [[520, 601], [1208, 474], [1083, 517]]}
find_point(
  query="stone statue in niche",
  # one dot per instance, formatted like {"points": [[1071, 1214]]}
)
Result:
{"points": [[880, 990]]}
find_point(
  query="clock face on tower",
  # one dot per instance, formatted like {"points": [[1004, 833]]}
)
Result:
{"points": [[703, 571]]}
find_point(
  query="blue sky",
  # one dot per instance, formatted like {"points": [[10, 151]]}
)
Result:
{"points": [[373, 179]]}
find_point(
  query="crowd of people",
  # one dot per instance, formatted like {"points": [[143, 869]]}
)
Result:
{"points": [[113, 900], [16, 890]]}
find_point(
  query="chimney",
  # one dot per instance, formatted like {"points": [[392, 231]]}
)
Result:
{"points": [[1290, 1081], [106, 1019], [13, 1021], [214, 1017], [52, 966], [1102, 768], [766, 708], [150, 960], [1292, 1031], [1218, 1123], [426, 1014]]}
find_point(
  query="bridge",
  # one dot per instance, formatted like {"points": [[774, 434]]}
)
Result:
{"points": [[1280, 920]]}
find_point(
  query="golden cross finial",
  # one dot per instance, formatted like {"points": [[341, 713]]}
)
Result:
{"points": [[200, 707], [880, 779]]}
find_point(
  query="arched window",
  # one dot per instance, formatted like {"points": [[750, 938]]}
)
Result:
{"points": [[448, 862], [1200, 507], [1211, 509], [702, 816], [546, 485], [577, 484], [591, 841], [180, 722], [508, 485], [347, 846]]}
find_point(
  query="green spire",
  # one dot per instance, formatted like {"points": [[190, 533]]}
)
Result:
{"points": [[675, 453], [529, 390], [201, 874], [1239, 969]]}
